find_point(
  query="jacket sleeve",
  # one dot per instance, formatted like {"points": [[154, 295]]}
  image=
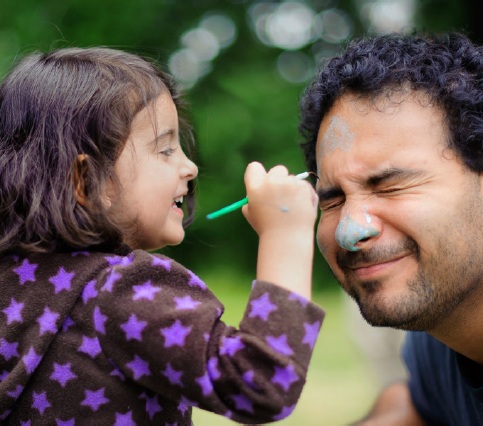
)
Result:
{"points": [[161, 326]]}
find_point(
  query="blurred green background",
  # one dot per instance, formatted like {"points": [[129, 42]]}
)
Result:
{"points": [[243, 65]]}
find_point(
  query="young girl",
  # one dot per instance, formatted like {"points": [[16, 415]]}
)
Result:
{"points": [[95, 329]]}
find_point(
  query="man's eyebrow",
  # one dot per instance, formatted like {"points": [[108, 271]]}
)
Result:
{"points": [[392, 174], [325, 194]]}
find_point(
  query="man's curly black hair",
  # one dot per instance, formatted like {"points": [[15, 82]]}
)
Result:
{"points": [[448, 68]]}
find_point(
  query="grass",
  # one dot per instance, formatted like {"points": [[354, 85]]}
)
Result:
{"points": [[340, 388]]}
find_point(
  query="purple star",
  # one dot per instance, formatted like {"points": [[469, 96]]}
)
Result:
{"points": [[205, 384], [262, 307], [3, 375], [8, 350], [231, 345], [117, 373], [175, 335], [213, 368], [152, 406], [185, 303], [62, 281], [31, 360], [311, 333], [26, 271], [184, 404], [41, 402], [280, 344], [16, 393], [139, 367], [145, 291], [124, 419], [248, 377], [242, 403], [286, 411], [94, 399], [27, 423], [6, 413], [90, 346], [89, 291], [285, 376], [70, 422], [99, 320], [47, 321], [172, 375], [110, 281], [159, 261], [14, 311], [133, 328], [195, 281], [67, 324], [113, 260], [62, 373], [298, 298]]}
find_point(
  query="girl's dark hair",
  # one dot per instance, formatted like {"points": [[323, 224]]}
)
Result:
{"points": [[53, 107], [448, 68]]}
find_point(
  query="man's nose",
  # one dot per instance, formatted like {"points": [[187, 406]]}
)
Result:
{"points": [[355, 227]]}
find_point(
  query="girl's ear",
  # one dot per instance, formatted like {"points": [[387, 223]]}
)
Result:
{"points": [[80, 179]]}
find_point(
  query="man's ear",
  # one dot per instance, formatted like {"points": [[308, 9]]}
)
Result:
{"points": [[80, 179]]}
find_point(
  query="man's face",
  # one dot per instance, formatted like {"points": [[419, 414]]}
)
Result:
{"points": [[401, 224]]}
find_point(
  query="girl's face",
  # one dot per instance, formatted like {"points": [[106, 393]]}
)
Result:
{"points": [[153, 172]]}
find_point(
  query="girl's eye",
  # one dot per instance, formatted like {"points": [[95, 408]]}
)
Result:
{"points": [[168, 152], [329, 206]]}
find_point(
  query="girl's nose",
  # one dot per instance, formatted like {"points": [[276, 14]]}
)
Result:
{"points": [[189, 169], [355, 228]]}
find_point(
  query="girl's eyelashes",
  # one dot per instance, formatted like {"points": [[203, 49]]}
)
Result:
{"points": [[168, 152]]}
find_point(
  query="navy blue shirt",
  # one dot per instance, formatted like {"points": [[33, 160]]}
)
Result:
{"points": [[446, 387]]}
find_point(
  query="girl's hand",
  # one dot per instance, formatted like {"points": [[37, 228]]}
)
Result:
{"points": [[278, 201]]}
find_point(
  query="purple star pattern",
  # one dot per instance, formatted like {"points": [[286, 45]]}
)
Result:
{"points": [[165, 263], [31, 360], [205, 384], [94, 399], [70, 422], [80, 253], [124, 419], [41, 402], [8, 350], [248, 377], [5, 414], [62, 281], [15, 393], [3, 375], [133, 328], [213, 368], [172, 375], [280, 344], [113, 260], [299, 298], [152, 406], [67, 324], [99, 320], [175, 335], [195, 281], [117, 373], [26, 271], [90, 346], [145, 291], [311, 333], [185, 303], [89, 291], [242, 402], [286, 411], [262, 307], [139, 367], [184, 404], [110, 281], [62, 373], [13, 311], [47, 321], [231, 345], [285, 376], [27, 423]]}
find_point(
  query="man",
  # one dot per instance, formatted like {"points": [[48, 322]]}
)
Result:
{"points": [[393, 128]]}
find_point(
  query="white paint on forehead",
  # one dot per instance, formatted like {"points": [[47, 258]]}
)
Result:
{"points": [[338, 135]]}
